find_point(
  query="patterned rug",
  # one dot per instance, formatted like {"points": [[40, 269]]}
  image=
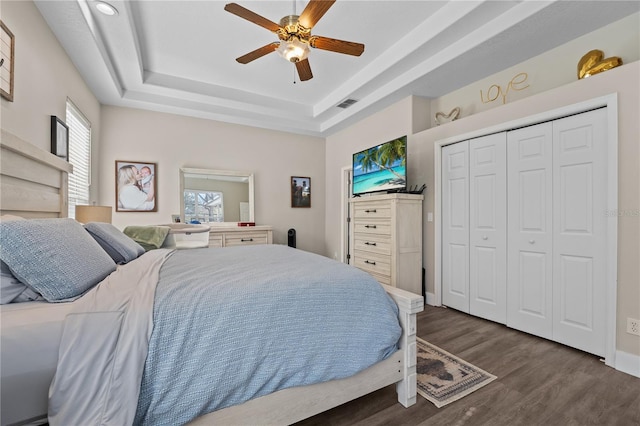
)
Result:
{"points": [[444, 378]]}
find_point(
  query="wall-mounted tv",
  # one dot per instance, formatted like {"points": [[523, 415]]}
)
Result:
{"points": [[381, 168]]}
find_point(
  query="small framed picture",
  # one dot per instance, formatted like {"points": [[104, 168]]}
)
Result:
{"points": [[175, 218], [136, 186], [59, 138], [7, 53], [300, 191]]}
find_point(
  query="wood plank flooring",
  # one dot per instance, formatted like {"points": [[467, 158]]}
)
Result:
{"points": [[539, 383]]}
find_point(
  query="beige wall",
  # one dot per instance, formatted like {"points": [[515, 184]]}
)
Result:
{"points": [[44, 78], [549, 70], [174, 141]]}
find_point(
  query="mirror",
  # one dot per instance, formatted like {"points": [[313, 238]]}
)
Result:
{"points": [[216, 196]]}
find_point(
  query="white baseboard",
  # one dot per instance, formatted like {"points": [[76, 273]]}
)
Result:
{"points": [[628, 363], [430, 299]]}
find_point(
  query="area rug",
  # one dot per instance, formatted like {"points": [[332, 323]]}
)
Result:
{"points": [[444, 378]]}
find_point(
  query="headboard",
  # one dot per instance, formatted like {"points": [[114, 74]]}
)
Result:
{"points": [[33, 182]]}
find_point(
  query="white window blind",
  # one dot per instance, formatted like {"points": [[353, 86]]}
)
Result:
{"points": [[79, 157]]}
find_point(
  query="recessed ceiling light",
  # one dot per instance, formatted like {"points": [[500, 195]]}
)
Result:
{"points": [[106, 8]]}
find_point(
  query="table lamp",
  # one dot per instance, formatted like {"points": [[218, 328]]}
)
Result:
{"points": [[86, 214]]}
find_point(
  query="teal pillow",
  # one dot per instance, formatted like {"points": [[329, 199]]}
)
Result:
{"points": [[55, 257]]}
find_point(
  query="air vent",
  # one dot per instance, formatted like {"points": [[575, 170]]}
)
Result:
{"points": [[347, 103]]}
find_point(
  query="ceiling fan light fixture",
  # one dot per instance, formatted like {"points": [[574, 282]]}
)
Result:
{"points": [[293, 50]]}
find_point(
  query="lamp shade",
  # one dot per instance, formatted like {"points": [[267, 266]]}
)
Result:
{"points": [[86, 214]]}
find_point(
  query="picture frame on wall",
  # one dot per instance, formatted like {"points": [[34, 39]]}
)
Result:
{"points": [[59, 138], [300, 191], [136, 186], [7, 59]]}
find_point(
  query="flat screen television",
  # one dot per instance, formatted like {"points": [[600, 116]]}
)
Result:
{"points": [[381, 168]]}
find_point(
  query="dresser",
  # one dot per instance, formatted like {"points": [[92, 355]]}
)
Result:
{"points": [[227, 236], [386, 238]]}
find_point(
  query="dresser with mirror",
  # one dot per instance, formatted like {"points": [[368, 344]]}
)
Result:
{"points": [[222, 199]]}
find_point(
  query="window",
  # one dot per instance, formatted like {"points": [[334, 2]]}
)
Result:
{"points": [[79, 157], [203, 206]]}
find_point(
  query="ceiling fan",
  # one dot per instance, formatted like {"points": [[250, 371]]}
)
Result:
{"points": [[295, 36]]}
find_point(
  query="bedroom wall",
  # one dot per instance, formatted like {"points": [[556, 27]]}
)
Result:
{"points": [[44, 78], [174, 141]]}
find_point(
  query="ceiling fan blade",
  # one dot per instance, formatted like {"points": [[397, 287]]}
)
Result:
{"points": [[304, 70], [313, 12], [244, 13], [258, 53], [339, 46]]}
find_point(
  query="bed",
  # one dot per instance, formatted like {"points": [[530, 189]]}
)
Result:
{"points": [[32, 331]]}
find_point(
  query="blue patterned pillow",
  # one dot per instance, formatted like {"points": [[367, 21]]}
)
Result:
{"points": [[121, 248], [56, 257]]}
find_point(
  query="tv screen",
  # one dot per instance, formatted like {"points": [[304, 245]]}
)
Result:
{"points": [[381, 168]]}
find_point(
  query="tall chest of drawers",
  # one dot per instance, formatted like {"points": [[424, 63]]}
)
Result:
{"points": [[386, 238]]}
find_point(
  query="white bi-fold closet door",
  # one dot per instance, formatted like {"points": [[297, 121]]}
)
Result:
{"points": [[523, 229]]}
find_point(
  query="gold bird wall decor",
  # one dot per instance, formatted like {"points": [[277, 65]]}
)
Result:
{"points": [[593, 63]]}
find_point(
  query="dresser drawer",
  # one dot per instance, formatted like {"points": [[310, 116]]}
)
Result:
{"points": [[373, 210], [382, 279], [245, 238], [215, 240], [380, 227], [370, 262], [372, 243]]}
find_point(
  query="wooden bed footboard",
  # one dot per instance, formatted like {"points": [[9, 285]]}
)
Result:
{"points": [[294, 404]]}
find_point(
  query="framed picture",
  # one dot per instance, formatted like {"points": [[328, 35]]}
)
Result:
{"points": [[136, 186], [300, 191], [59, 138], [7, 49], [175, 218]]}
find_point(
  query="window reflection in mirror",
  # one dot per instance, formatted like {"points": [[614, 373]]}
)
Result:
{"points": [[203, 206], [216, 196]]}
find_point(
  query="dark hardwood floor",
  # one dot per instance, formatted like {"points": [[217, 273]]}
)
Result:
{"points": [[539, 383]]}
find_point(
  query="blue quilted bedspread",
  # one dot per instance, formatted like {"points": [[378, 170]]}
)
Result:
{"points": [[237, 323]]}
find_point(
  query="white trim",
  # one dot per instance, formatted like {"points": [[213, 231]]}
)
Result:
{"points": [[431, 299], [628, 363], [611, 103]]}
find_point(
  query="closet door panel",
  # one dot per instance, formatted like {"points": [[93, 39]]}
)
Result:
{"points": [[579, 273], [455, 226], [529, 217], [487, 227]]}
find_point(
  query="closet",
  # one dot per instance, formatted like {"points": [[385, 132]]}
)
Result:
{"points": [[524, 228]]}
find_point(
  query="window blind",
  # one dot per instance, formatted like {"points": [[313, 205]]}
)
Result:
{"points": [[79, 157]]}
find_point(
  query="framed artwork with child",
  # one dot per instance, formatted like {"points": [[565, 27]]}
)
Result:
{"points": [[136, 186]]}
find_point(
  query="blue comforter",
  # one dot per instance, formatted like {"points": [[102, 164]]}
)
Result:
{"points": [[237, 323]]}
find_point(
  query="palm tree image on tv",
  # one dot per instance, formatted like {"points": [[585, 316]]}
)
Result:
{"points": [[381, 167]]}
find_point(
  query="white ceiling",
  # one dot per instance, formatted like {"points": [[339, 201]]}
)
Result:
{"points": [[179, 56]]}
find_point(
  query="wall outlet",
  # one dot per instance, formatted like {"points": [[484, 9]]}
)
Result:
{"points": [[633, 326]]}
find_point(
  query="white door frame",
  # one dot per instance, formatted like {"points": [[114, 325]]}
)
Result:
{"points": [[611, 102]]}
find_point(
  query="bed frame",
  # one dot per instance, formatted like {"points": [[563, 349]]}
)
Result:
{"points": [[33, 183]]}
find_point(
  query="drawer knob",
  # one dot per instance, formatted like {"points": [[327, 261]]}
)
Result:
{"points": [[369, 262], [532, 241], [244, 240], [370, 211], [484, 237], [370, 226], [370, 244]]}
